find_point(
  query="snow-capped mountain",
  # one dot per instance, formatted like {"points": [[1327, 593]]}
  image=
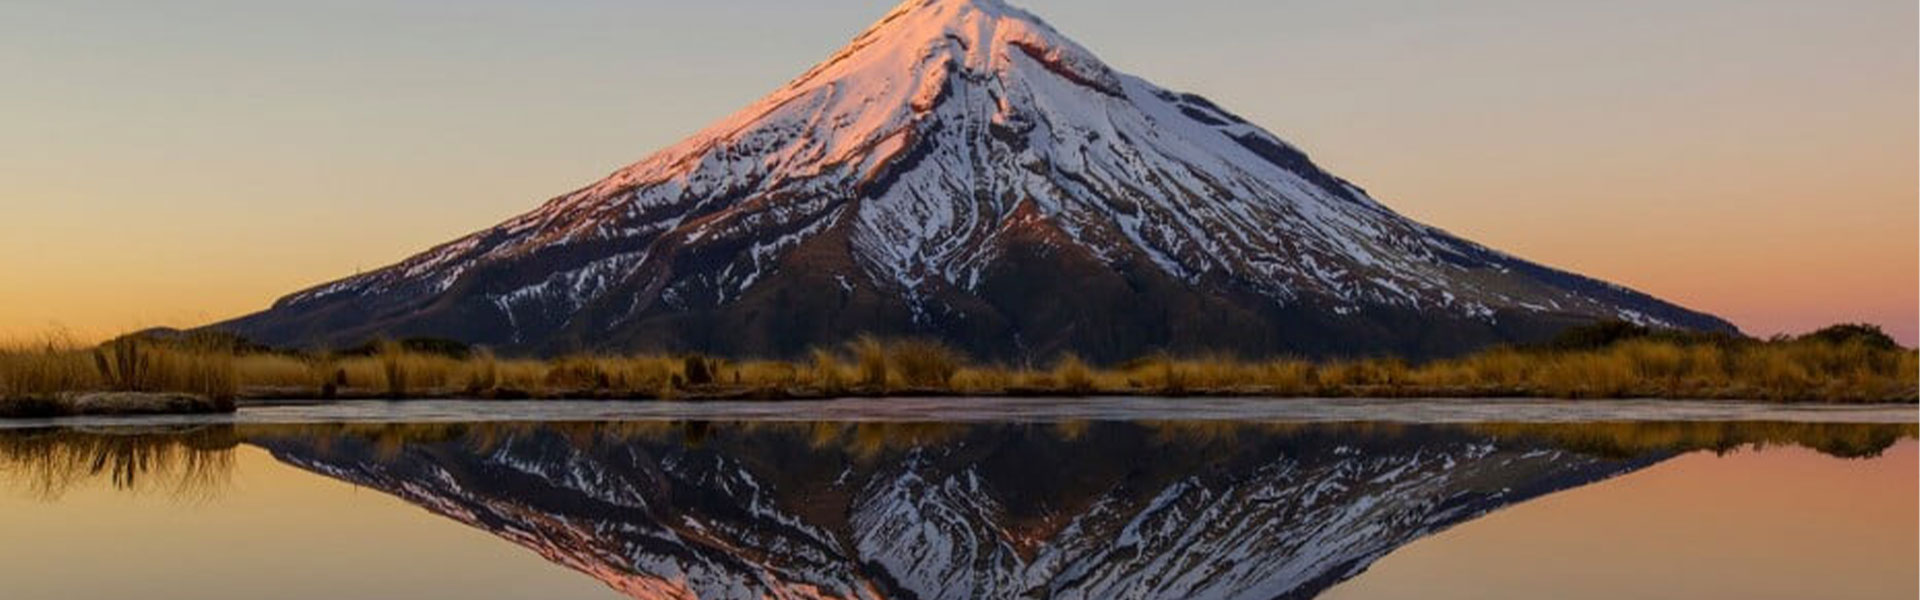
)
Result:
{"points": [[934, 512], [962, 170]]}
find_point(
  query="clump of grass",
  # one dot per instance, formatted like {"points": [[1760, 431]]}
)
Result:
{"points": [[1072, 375], [578, 373], [484, 372], [1164, 374], [393, 368], [193, 365], [1292, 376], [644, 373], [1500, 367], [698, 370], [520, 375], [826, 372], [1842, 364], [923, 364], [397, 372], [45, 368], [767, 374], [125, 365], [640, 376], [985, 380], [281, 370], [871, 355], [203, 371]]}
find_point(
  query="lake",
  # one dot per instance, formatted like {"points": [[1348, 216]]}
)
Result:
{"points": [[961, 498]]}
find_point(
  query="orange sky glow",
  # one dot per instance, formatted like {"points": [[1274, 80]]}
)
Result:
{"points": [[181, 164]]}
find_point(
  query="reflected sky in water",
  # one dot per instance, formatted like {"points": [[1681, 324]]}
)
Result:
{"points": [[931, 510]]}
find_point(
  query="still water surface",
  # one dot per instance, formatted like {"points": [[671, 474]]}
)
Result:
{"points": [[1070, 499]]}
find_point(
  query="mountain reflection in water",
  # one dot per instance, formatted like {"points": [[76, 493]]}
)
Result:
{"points": [[900, 510]]}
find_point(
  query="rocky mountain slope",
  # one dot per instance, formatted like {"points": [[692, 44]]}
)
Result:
{"points": [[962, 170]]}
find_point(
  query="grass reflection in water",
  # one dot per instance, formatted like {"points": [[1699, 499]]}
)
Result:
{"points": [[197, 461]]}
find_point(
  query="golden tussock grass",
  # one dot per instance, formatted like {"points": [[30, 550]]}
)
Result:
{"points": [[923, 364], [1816, 367], [45, 367], [55, 365]]}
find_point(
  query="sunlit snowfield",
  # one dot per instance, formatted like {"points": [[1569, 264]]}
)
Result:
{"points": [[1004, 498]]}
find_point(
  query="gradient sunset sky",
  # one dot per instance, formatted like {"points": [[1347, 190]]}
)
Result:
{"points": [[180, 162]]}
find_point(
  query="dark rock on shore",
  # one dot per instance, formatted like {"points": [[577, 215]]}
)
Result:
{"points": [[32, 408], [112, 404]]}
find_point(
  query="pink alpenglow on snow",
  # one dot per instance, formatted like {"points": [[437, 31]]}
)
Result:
{"points": [[961, 170]]}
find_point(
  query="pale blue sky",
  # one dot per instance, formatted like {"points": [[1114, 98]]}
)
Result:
{"points": [[1753, 158]]}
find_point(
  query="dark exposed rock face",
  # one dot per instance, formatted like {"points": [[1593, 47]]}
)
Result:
{"points": [[1103, 510], [963, 171]]}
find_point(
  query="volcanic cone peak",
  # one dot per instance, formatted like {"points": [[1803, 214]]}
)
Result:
{"points": [[962, 170]]}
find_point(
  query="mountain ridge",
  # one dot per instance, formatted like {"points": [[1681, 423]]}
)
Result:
{"points": [[961, 170]]}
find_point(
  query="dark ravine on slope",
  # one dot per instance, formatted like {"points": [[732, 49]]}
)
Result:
{"points": [[1100, 510], [963, 171]]}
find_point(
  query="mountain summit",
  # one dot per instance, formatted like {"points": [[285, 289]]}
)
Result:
{"points": [[961, 170]]}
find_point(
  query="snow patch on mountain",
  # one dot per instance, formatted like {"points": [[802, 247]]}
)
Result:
{"points": [[936, 139]]}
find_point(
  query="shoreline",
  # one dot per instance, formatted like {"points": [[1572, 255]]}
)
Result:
{"points": [[1840, 365], [163, 404], [801, 393], [136, 404], [114, 404], [380, 414]]}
